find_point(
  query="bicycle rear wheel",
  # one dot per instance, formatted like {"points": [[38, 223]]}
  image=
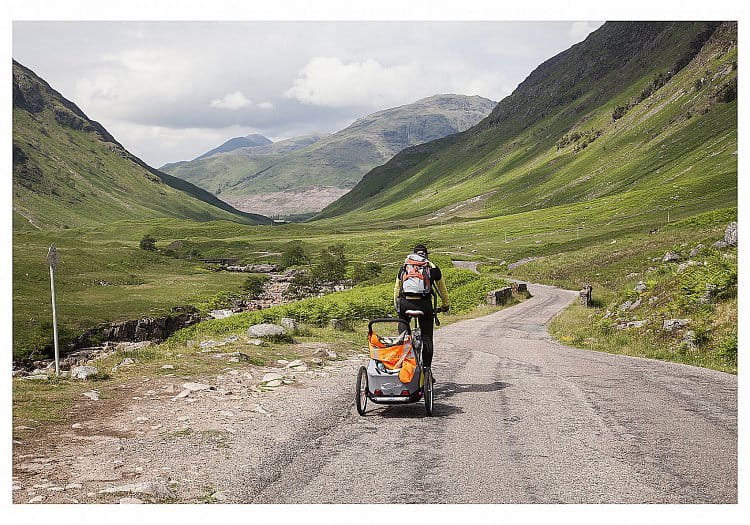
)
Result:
{"points": [[361, 391], [429, 392]]}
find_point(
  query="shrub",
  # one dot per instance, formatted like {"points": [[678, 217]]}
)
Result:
{"points": [[332, 265], [362, 272], [148, 243], [293, 255], [254, 285]]}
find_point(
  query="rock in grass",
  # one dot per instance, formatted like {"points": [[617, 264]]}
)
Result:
{"points": [[697, 250], [266, 330], [93, 395], [670, 256], [289, 323], [689, 340], [339, 324], [83, 372], [670, 325], [632, 324], [297, 364], [36, 376], [730, 234]]}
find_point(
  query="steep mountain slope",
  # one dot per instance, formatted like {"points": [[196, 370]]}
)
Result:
{"points": [[68, 171], [640, 118], [249, 141], [307, 179]]}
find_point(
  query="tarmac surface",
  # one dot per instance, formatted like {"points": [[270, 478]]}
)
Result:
{"points": [[518, 418]]}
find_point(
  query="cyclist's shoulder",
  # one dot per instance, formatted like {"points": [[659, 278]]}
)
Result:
{"points": [[435, 271]]}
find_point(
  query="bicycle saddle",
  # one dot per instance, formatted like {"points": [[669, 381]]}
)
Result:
{"points": [[414, 313]]}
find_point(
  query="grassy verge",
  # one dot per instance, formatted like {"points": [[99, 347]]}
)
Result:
{"points": [[635, 292], [48, 402]]}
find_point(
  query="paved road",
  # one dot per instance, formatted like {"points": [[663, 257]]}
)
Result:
{"points": [[519, 419]]}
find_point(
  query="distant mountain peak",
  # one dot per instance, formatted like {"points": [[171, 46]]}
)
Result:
{"points": [[249, 141]]}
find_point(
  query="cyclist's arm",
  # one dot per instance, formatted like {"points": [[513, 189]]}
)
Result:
{"points": [[396, 290], [443, 293]]}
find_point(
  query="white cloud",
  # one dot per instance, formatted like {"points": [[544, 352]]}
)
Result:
{"points": [[265, 105], [328, 81], [158, 145], [580, 30], [233, 101]]}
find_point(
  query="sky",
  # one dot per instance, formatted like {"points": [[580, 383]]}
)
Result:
{"points": [[171, 91]]}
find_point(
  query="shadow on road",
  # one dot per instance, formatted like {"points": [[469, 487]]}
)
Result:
{"points": [[443, 391], [449, 389], [416, 411]]}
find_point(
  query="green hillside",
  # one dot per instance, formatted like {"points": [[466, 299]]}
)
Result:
{"points": [[303, 180], [68, 171], [641, 113]]}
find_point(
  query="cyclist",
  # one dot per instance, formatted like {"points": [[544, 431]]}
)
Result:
{"points": [[416, 283]]}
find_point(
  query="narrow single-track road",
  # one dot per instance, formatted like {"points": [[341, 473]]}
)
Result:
{"points": [[518, 419]]}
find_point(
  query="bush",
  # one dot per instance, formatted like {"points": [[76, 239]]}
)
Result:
{"points": [[303, 285], [293, 255], [254, 285], [332, 265], [367, 271], [148, 243]]}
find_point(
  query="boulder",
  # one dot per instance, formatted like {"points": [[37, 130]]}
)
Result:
{"points": [[689, 340], [83, 372], [266, 330], [632, 324], [671, 256], [730, 234], [194, 387], [640, 287], [339, 324], [289, 323], [221, 314], [297, 365], [127, 361], [670, 325], [625, 306], [272, 376], [93, 395], [720, 244], [696, 251]]}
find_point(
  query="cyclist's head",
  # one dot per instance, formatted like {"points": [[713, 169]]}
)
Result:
{"points": [[421, 249]]}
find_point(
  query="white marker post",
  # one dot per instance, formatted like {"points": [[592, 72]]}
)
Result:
{"points": [[52, 258]]}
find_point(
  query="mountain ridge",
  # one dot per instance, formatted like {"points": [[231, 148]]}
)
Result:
{"points": [[68, 170], [333, 163], [530, 152]]}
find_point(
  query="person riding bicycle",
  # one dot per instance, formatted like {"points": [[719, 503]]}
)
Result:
{"points": [[416, 284]]}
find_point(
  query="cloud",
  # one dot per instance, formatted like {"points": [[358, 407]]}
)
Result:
{"points": [[580, 30], [265, 105], [232, 101], [328, 81]]}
